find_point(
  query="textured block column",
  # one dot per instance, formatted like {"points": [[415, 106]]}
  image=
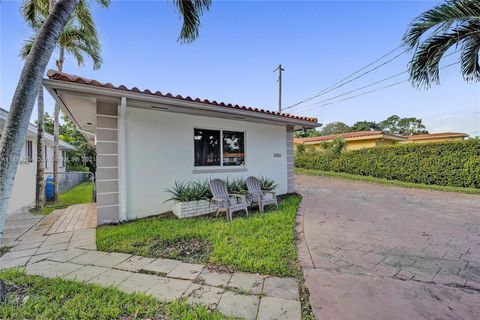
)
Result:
{"points": [[290, 160], [107, 163]]}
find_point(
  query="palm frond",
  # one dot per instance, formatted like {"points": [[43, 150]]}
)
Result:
{"points": [[26, 47], [104, 3], [443, 17], [469, 58], [454, 23], [425, 65], [191, 11], [84, 17]]}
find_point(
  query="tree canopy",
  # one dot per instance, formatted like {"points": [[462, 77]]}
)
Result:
{"points": [[393, 124]]}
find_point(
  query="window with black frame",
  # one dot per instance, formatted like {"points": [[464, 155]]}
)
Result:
{"points": [[207, 147], [219, 148], [233, 148]]}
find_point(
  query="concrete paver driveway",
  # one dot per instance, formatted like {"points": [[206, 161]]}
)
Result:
{"points": [[376, 252]]}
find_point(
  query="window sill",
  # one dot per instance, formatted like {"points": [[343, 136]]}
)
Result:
{"points": [[219, 170]]}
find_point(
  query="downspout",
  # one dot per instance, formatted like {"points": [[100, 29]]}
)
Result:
{"points": [[122, 170]]}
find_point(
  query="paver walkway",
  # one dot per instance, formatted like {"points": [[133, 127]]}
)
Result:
{"points": [[376, 252], [76, 217], [73, 255]]}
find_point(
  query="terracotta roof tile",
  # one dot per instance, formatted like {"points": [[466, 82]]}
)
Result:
{"points": [[55, 75]]}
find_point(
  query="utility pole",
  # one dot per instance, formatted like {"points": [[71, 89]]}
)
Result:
{"points": [[279, 69]]}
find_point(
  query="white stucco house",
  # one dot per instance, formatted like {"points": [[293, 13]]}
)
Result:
{"points": [[23, 193], [147, 140]]}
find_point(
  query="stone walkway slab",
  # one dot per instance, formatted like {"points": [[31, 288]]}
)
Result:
{"points": [[238, 305], [279, 309]]}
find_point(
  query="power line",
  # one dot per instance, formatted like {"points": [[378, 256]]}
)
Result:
{"points": [[369, 85], [344, 81], [322, 104]]}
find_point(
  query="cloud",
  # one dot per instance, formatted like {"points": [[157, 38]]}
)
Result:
{"points": [[467, 121]]}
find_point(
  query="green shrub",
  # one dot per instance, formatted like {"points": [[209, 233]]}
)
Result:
{"points": [[199, 190], [454, 164]]}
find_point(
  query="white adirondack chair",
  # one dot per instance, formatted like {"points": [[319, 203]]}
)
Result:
{"points": [[259, 196], [229, 203]]}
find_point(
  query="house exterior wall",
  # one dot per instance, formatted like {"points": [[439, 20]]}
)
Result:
{"points": [[23, 192], [159, 150], [361, 144], [428, 140]]}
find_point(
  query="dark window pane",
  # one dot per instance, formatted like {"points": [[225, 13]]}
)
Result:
{"points": [[207, 147], [233, 148]]}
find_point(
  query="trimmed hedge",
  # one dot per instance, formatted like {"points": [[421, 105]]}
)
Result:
{"points": [[455, 164]]}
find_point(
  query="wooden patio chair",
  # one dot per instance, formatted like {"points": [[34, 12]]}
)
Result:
{"points": [[229, 203], [259, 196]]}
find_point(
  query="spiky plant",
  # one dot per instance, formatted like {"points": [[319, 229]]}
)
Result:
{"points": [[455, 23], [189, 191], [267, 184]]}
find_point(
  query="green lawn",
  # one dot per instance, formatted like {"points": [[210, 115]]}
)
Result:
{"points": [[33, 297], [80, 194], [396, 183], [263, 243]]}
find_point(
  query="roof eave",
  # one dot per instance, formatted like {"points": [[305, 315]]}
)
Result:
{"points": [[52, 85]]}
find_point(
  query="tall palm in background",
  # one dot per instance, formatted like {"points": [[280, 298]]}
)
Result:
{"points": [[455, 23], [30, 81], [79, 38]]}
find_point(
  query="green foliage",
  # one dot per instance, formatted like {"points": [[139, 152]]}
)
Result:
{"points": [[267, 184], [334, 147], [452, 24], [334, 128], [396, 183], [261, 242], [366, 126], [403, 126], [189, 191], [78, 195], [34, 297], [446, 164], [300, 148], [199, 190], [85, 155], [307, 133]]}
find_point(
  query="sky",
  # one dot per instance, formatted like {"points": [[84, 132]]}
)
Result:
{"points": [[242, 42]]}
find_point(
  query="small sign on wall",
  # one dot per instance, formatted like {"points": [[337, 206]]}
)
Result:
{"points": [[277, 155]]}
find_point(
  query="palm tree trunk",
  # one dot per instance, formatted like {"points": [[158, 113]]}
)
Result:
{"points": [[40, 182], [56, 132], [23, 100]]}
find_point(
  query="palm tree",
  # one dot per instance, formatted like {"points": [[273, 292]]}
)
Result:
{"points": [[30, 81], [455, 23], [78, 38]]}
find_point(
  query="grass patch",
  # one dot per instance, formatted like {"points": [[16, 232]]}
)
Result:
{"points": [[397, 183], [4, 249], [78, 195], [34, 297], [263, 243]]}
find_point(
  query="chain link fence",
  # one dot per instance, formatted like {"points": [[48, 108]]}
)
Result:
{"points": [[74, 187]]}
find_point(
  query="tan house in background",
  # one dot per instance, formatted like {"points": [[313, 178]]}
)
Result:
{"points": [[370, 139], [436, 137]]}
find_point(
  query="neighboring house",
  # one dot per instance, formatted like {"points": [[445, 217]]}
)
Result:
{"points": [[370, 139], [354, 140], [23, 193], [436, 137], [146, 141]]}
